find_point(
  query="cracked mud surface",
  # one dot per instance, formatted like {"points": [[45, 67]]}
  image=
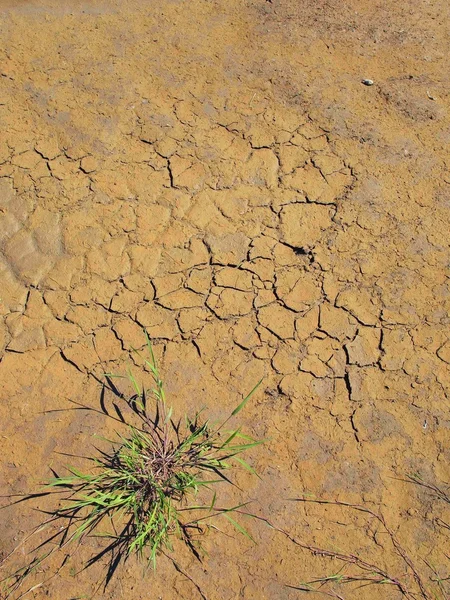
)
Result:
{"points": [[217, 173]]}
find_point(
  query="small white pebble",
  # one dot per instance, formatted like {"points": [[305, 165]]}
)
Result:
{"points": [[367, 82]]}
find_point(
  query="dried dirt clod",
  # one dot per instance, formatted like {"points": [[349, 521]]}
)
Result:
{"points": [[60, 333], [82, 354], [106, 344], [292, 157], [126, 301], [159, 322], [30, 264], [336, 322], [279, 320], [31, 338], [88, 317], [286, 359], [88, 164], [199, 280], [181, 299], [307, 324], [244, 333], [361, 304], [298, 290], [234, 278], [397, 346], [191, 320], [230, 249], [228, 302], [305, 387], [302, 225], [364, 349], [307, 180], [261, 169], [129, 333]]}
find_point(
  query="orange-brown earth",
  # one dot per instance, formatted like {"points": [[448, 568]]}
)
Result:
{"points": [[217, 173]]}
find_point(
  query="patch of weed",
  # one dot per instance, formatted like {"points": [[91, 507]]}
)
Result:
{"points": [[160, 481]]}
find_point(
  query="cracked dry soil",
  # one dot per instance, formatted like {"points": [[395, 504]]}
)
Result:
{"points": [[216, 173]]}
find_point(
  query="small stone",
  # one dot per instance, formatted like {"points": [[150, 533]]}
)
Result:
{"points": [[367, 82]]}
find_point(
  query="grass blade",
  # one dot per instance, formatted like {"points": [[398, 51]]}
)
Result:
{"points": [[246, 399]]}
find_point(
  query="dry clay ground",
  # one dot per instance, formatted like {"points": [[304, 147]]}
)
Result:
{"points": [[216, 173]]}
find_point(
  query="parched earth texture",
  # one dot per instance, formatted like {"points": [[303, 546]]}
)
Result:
{"points": [[217, 173]]}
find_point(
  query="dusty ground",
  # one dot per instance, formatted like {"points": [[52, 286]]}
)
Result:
{"points": [[217, 173]]}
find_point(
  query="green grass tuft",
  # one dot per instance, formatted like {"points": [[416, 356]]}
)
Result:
{"points": [[148, 489]]}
